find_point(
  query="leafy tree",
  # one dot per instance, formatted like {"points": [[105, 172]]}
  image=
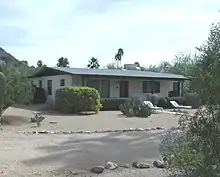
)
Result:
{"points": [[112, 66], [39, 63], [93, 63], [118, 57], [199, 153], [63, 62], [18, 89]]}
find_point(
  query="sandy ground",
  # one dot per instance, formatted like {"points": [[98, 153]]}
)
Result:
{"points": [[23, 155]]}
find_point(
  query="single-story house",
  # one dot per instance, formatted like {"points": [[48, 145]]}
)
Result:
{"points": [[109, 82]]}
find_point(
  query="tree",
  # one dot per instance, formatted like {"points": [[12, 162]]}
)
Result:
{"points": [[39, 63], [63, 62], [118, 57], [198, 155], [111, 66], [18, 88], [93, 63]]}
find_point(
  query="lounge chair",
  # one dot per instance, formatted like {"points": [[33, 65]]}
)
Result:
{"points": [[177, 106], [154, 108]]}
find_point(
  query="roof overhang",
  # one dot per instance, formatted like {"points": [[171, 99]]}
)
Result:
{"points": [[47, 71]]}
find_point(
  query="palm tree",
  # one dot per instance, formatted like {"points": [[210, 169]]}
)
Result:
{"points": [[118, 56], [39, 63], [93, 63], [63, 62]]}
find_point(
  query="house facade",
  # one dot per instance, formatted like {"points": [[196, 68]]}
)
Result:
{"points": [[109, 83]]}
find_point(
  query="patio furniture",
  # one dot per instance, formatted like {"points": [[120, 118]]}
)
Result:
{"points": [[178, 107], [154, 108]]}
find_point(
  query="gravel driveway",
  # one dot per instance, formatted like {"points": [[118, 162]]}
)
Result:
{"points": [[28, 155]]}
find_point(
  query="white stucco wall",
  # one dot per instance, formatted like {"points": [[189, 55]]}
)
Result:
{"points": [[135, 85], [136, 88], [55, 83]]}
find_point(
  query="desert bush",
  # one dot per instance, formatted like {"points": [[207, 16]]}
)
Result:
{"points": [[153, 98], [112, 103], [77, 99], [165, 102], [192, 100], [40, 95], [136, 108], [199, 156]]}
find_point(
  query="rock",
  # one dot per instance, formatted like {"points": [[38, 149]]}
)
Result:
{"points": [[160, 128], [139, 129], [125, 166], [159, 164], [87, 132], [111, 165], [97, 169], [139, 164]]}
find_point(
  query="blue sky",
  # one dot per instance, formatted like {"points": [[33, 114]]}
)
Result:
{"points": [[148, 31]]}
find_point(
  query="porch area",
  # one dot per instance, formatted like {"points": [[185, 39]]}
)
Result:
{"points": [[132, 87]]}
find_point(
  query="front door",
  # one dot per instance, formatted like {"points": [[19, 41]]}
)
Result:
{"points": [[124, 86]]}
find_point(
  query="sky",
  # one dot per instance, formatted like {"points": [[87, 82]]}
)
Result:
{"points": [[148, 31]]}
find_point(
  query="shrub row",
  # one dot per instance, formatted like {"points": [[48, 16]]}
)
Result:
{"points": [[188, 99], [110, 104], [77, 99]]}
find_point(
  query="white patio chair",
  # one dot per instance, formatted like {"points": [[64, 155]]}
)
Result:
{"points": [[154, 108], [177, 106]]}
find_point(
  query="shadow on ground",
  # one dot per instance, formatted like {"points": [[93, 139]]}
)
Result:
{"points": [[83, 152]]}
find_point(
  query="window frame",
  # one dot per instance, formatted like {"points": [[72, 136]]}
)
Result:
{"points": [[40, 82], [151, 86], [62, 82], [49, 87]]}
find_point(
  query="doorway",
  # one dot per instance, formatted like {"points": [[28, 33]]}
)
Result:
{"points": [[124, 87]]}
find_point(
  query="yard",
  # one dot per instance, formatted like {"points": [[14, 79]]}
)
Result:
{"points": [[62, 155]]}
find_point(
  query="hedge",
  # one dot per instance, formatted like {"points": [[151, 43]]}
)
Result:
{"points": [[188, 100], [77, 99], [111, 104], [40, 96]]}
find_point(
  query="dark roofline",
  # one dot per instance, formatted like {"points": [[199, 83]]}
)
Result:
{"points": [[49, 71]]}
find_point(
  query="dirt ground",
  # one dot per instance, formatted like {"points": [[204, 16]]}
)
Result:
{"points": [[24, 155]]}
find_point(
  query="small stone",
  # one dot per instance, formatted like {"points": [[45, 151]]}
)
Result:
{"points": [[159, 164], [111, 165], [153, 129], [87, 132], [131, 129], [159, 128], [147, 129], [97, 169], [141, 165], [117, 130], [108, 131], [79, 131], [125, 166], [139, 129]]}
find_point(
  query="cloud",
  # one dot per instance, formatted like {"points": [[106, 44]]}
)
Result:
{"points": [[80, 29]]}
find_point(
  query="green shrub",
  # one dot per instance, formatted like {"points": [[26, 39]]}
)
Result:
{"points": [[165, 102], [40, 95], [192, 100], [134, 107], [77, 99], [112, 103]]}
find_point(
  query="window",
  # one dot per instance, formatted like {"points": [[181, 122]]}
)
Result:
{"points": [[151, 87], [49, 87], [175, 86], [40, 83], [103, 86], [62, 82]]}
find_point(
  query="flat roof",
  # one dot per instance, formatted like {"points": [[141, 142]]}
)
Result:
{"points": [[46, 71]]}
